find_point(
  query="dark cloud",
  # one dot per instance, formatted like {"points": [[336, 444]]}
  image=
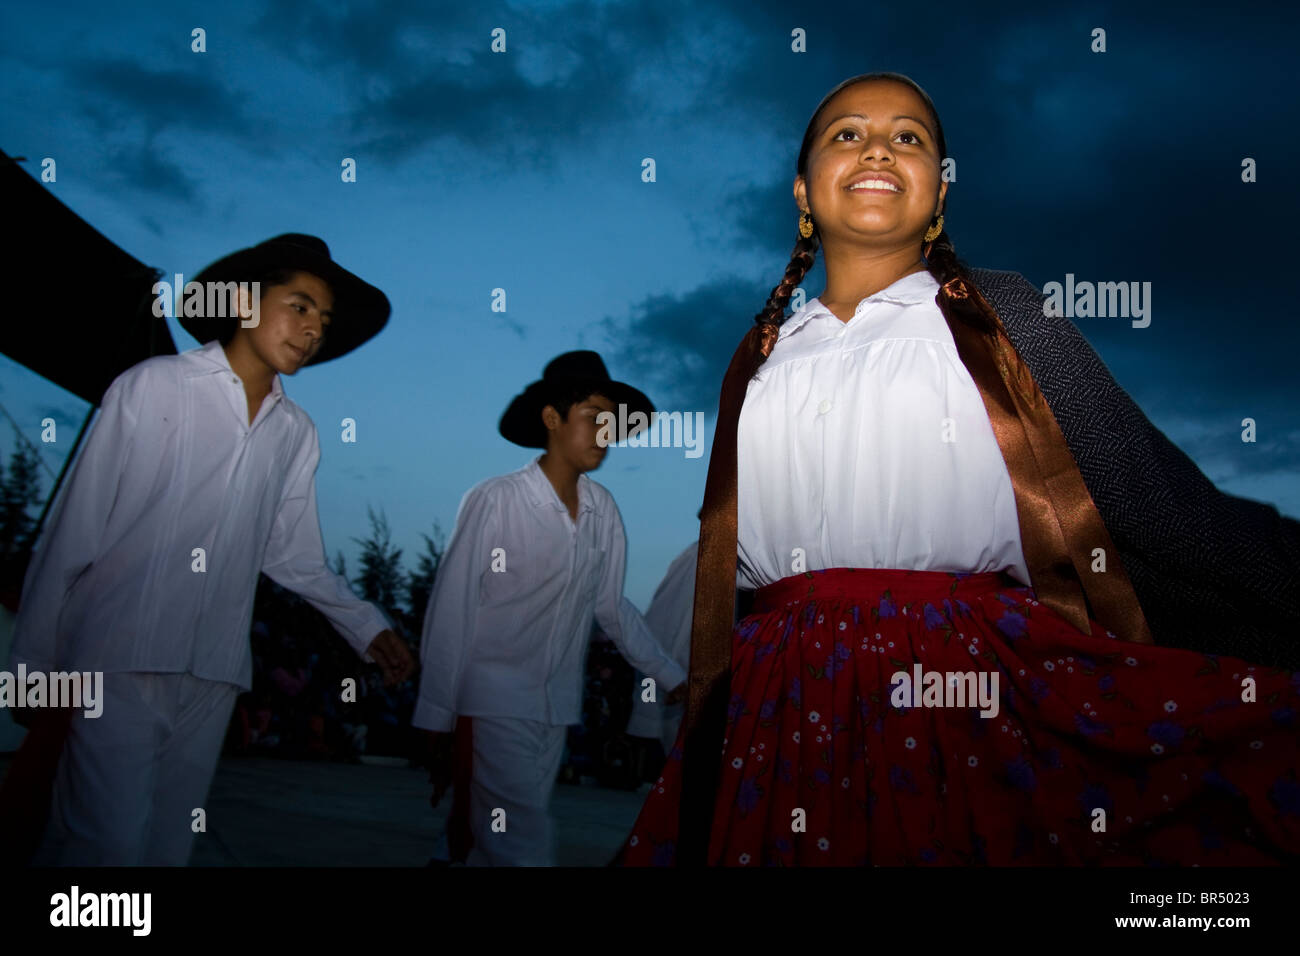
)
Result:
{"points": [[680, 345], [425, 77], [119, 92], [144, 167]]}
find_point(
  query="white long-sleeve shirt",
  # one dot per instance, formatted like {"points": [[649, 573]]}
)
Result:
{"points": [[669, 618], [509, 619], [866, 445], [172, 465]]}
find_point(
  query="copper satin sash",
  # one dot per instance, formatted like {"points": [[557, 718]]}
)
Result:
{"points": [[1059, 528]]}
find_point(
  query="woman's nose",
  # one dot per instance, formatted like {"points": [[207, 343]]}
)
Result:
{"points": [[878, 147]]}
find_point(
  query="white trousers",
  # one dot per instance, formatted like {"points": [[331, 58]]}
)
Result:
{"points": [[129, 781], [515, 764]]}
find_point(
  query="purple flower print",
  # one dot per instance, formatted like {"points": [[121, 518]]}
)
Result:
{"points": [[1166, 732], [664, 853], [1285, 796], [1107, 683], [1012, 625], [1212, 778], [1211, 838], [1038, 688], [1283, 716], [900, 778], [887, 608], [735, 708], [748, 796], [796, 693], [1020, 774], [835, 662], [1050, 758], [767, 711], [933, 618], [1089, 727], [1095, 795], [821, 776]]}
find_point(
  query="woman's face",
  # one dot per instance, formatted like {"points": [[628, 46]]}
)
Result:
{"points": [[873, 168]]}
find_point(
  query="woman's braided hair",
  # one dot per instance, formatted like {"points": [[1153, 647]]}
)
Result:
{"points": [[942, 260]]}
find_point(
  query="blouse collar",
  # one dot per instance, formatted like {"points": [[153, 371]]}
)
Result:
{"points": [[912, 289]]}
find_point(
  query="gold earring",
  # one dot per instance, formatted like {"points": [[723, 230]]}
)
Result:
{"points": [[932, 233], [805, 224]]}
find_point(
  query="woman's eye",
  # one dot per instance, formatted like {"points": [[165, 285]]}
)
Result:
{"points": [[851, 132], [913, 138], [297, 307]]}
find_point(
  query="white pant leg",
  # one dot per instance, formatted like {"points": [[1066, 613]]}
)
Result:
{"points": [[103, 787], [186, 766], [515, 764], [122, 775]]}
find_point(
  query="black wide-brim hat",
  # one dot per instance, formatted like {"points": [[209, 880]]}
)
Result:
{"points": [[360, 310], [522, 421]]}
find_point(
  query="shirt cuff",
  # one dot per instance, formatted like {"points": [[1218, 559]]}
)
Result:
{"points": [[671, 676], [363, 637], [429, 716]]}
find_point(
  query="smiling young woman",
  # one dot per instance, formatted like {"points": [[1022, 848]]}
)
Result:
{"points": [[921, 468]]}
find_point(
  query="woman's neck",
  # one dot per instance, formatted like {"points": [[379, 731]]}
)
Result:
{"points": [[852, 274]]}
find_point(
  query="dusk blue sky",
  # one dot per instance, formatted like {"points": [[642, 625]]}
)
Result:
{"points": [[522, 170]]}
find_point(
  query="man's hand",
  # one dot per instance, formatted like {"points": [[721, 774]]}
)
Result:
{"points": [[677, 694], [438, 756], [392, 656]]}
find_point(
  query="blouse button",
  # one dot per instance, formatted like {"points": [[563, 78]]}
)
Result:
{"points": [[824, 407]]}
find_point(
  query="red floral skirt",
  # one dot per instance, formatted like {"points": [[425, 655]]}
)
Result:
{"points": [[1082, 749]]}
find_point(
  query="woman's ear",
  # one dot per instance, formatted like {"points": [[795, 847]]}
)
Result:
{"points": [[801, 192]]}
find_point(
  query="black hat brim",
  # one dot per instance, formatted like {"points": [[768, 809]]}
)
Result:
{"points": [[360, 310], [521, 423]]}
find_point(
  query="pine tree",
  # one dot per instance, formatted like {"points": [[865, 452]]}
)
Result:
{"points": [[419, 583], [381, 564], [20, 489], [340, 565]]}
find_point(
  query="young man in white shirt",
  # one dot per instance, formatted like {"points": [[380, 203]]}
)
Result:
{"points": [[535, 556], [198, 474], [669, 618]]}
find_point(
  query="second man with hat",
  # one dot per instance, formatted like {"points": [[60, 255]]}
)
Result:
{"points": [[536, 555]]}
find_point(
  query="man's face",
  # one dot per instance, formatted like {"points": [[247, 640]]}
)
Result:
{"points": [[293, 320], [574, 438]]}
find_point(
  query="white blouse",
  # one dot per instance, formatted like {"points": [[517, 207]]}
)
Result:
{"points": [[866, 444]]}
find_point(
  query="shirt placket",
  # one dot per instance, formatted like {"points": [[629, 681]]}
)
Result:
{"points": [[563, 610], [828, 383], [218, 556]]}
